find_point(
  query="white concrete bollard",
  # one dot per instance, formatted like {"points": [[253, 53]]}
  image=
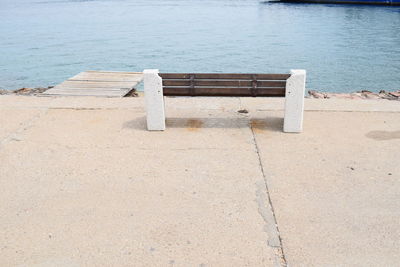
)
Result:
{"points": [[294, 102], [154, 98]]}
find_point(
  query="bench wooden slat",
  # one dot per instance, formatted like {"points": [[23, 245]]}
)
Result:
{"points": [[217, 83], [226, 76], [223, 84], [271, 83], [223, 91]]}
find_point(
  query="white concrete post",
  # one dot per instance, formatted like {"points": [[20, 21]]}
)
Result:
{"points": [[294, 102], [154, 98]]}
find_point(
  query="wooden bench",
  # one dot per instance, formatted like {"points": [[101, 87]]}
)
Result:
{"points": [[291, 86]]}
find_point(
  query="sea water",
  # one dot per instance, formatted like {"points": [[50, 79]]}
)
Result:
{"points": [[343, 47]]}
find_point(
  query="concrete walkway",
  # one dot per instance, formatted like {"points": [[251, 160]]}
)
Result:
{"points": [[84, 184]]}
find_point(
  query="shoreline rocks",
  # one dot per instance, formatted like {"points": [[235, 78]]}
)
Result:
{"points": [[364, 94], [25, 91]]}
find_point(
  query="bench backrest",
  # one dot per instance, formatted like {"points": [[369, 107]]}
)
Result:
{"points": [[223, 84]]}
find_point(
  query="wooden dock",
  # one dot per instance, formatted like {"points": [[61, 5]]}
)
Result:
{"points": [[98, 83]]}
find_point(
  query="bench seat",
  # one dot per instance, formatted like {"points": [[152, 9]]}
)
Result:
{"points": [[291, 86]]}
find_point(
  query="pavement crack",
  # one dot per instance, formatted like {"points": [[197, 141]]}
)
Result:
{"points": [[266, 210]]}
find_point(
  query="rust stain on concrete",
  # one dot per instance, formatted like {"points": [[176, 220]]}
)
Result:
{"points": [[383, 135], [258, 125], [194, 124]]}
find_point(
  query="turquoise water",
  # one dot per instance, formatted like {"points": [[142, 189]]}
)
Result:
{"points": [[343, 47]]}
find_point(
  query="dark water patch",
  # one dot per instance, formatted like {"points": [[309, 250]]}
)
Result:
{"points": [[383, 135]]}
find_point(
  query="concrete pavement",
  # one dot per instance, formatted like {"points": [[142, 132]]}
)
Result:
{"points": [[84, 184], [336, 197]]}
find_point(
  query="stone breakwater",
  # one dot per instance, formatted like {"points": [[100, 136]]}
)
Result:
{"points": [[395, 95]]}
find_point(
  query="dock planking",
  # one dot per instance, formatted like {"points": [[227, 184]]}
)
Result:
{"points": [[97, 83]]}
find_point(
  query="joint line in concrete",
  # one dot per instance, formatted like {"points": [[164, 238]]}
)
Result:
{"points": [[268, 213]]}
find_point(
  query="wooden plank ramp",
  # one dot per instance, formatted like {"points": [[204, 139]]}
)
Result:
{"points": [[97, 83]]}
